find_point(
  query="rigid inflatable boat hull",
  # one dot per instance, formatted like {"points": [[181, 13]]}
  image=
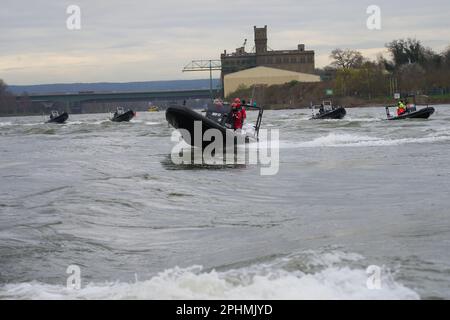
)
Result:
{"points": [[181, 117], [124, 117], [337, 113], [59, 119], [424, 113]]}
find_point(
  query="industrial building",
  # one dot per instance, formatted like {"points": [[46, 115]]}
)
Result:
{"points": [[263, 76], [265, 66], [299, 60]]}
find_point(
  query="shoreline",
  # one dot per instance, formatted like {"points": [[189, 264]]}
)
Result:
{"points": [[362, 104], [356, 105]]}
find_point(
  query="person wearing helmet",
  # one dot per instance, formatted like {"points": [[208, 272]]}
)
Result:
{"points": [[239, 114]]}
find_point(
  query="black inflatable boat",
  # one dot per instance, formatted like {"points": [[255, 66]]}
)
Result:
{"points": [[328, 111], [55, 117], [121, 115], [217, 117], [411, 107], [412, 113]]}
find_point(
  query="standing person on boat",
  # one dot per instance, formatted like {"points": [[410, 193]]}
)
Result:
{"points": [[243, 113], [239, 114], [401, 108], [321, 109], [54, 115]]}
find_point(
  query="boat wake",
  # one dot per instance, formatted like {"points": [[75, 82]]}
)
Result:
{"points": [[74, 123], [102, 121], [351, 119], [307, 275], [354, 140]]}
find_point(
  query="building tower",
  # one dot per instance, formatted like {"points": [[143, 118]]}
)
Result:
{"points": [[260, 39]]}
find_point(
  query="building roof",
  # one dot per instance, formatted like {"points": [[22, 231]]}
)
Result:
{"points": [[265, 76], [271, 72]]}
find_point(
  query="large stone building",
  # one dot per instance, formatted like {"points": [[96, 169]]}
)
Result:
{"points": [[299, 60]]}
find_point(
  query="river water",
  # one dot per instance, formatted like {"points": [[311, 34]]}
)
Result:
{"points": [[107, 198]]}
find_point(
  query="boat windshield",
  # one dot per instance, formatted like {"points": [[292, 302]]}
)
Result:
{"points": [[120, 110], [219, 112], [54, 114], [327, 105]]}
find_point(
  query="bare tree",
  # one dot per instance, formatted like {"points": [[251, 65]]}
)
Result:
{"points": [[2, 87], [446, 57], [347, 58]]}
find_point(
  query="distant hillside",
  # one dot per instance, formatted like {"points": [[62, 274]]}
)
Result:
{"points": [[114, 86]]}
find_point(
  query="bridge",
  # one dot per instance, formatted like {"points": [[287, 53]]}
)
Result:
{"points": [[74, 101]]}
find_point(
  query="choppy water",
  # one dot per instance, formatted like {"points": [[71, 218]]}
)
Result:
{"points": [[106, 197]]}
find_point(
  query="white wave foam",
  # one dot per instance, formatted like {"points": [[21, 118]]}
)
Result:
{"points": [[150, 123], [31, 124], [351, 119], [274, 280], [353, 140], [248, 129], [5, 124], [73, 123], [101, 121]]}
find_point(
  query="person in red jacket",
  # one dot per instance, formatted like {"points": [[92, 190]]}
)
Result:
{"points": [[243, 113], [239, 114]]}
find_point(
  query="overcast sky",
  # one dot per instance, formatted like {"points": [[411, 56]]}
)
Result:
{"points": [[139, 40]]}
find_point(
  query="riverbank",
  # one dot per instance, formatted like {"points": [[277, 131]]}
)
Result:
{"points": [[295, 95], [352, 102], [348, 102]]}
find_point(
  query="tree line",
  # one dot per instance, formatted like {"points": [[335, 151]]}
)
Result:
{"points": [[11, 105], [410, 68], [7, 99]]}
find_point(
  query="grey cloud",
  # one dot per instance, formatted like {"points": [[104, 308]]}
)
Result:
{"points": [[172, 33]]}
